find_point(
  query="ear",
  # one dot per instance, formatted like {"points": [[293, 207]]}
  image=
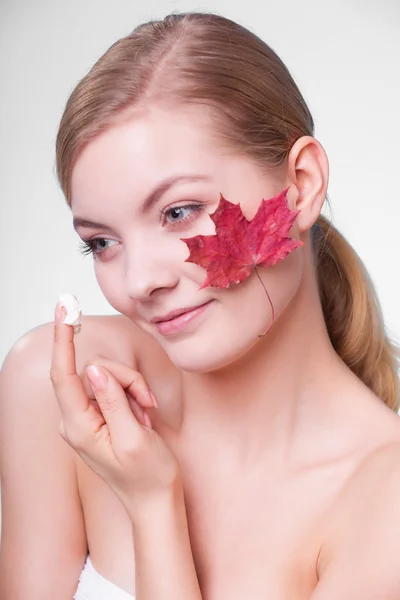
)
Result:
{"points": [[308, 175]]}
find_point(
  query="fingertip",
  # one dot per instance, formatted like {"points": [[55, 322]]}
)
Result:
{"points": [[60, 313], [153, 398]]}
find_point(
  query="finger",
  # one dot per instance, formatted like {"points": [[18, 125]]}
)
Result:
{"points": [[131, 381], [63, 348], [137, 410], [87, 385], [81, 418], [114, 405], [67, 385]]}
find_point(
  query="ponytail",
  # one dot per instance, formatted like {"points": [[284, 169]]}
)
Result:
{"points": [[353, 314]]}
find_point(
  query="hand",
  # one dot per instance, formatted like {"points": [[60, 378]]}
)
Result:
{"points": [[128, 455], [126, 377]]}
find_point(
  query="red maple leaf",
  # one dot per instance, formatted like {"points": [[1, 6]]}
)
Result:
{"points": [[239, 245]]}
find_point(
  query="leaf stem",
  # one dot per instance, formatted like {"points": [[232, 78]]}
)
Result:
{"points": [[272, 306]]}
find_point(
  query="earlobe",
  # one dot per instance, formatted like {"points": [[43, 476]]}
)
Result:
{"points": [[308, 174]]}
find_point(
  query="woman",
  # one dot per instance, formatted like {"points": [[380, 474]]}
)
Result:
{"points": [[269, 466]]}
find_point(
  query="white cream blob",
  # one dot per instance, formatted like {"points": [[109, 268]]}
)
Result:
{"points": [[74, 311]]}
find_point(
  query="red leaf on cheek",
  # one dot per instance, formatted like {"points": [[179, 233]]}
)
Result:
{"points": [[239, 245]]}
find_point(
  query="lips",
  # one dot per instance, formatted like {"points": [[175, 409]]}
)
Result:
{"points": [[176, 313], [177, 322]]}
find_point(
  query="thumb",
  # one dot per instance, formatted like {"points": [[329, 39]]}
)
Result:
{"points": [[114, 405]]}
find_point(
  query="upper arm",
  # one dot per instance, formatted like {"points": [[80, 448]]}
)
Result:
{"points": [[43, 540], [364, 556]]}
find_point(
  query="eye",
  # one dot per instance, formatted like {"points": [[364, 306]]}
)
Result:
{"points": [[178, 214], [89, 246], [171, 216]]}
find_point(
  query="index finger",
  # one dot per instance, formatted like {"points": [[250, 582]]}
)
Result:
{"points": [[66, 382]]}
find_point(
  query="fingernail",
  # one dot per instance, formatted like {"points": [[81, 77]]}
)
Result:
{"points": [[96, 377], [153, 399]]}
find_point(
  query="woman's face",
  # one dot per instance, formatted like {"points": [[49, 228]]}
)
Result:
{"points": [[147, 183]]}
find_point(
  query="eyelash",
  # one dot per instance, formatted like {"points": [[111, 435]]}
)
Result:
{"points": [[88, 246]]}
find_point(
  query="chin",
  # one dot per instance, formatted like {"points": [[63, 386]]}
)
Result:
{"points": [[198, 355]]}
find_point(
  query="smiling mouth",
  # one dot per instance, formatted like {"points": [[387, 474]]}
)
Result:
{"points": [[176, 313], [179, 320]]}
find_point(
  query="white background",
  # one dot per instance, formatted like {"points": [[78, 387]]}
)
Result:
{"points": [[343, 54]]}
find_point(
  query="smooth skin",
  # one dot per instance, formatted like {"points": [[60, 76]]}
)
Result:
{"points": [[289, 464], [54, 506]]}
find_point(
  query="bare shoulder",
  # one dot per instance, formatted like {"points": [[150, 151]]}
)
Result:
{"points": [[363, 540], [118, 338], [114, 336], [370, 480], [43, 521]]}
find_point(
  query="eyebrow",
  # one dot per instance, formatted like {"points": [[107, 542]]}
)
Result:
{"points": [[150, 200]]}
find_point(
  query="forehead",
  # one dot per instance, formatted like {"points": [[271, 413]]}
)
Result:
{"points": [[145, 149]]}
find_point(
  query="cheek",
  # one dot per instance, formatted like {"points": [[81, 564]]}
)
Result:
{"points": [[248, 311], [283, 280], [243, 313], [111, 286], [251, 301]]}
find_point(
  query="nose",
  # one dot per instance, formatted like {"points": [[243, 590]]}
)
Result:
{"points": [[148, 271]]}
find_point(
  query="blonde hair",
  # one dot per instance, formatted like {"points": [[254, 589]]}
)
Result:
{"points": [[203, 58]]}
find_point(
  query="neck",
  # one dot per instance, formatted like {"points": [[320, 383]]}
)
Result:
{"points": [[272, 402]]}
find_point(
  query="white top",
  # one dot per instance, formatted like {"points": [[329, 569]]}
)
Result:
{"points": [[93, 586]]}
